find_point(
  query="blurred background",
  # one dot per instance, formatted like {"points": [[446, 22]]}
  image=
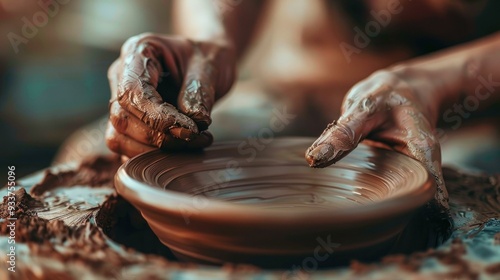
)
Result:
{"points": [[55, 82]]}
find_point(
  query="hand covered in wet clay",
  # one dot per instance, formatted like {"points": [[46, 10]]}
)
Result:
{"points": [[162, 92], [391, 107]]}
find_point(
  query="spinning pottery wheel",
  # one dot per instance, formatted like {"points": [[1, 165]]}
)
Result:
{"points": [[61, 234], [269, 208]]}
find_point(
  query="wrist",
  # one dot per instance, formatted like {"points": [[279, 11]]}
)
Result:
{"points": [[430, 92]]}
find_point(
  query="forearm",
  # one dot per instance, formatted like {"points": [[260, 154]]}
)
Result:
{"points": [[231, 20], [469, 71]]}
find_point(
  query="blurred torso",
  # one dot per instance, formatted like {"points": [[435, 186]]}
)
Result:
{"points": [[300, 59]]}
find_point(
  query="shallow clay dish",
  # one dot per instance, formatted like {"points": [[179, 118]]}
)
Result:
{"points": [[233, 203]]}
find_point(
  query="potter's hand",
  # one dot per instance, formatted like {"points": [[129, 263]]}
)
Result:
{"points": [[386, 107], [162, 92]]}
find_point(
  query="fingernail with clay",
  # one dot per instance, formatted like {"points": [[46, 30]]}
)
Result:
{"points": [[182, 133], [321, 155]]}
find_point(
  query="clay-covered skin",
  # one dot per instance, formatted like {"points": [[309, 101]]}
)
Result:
{"points": [[163, 87], [162, 91], [385, 108], [401, 106]]}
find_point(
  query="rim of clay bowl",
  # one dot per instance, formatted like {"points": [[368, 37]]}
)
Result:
{"points": [[158, 199]]}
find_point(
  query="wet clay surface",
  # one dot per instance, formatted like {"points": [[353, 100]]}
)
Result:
{"points": [[113, 241]]}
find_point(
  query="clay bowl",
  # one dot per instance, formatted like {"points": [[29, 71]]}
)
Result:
{"points": [[236, 203]]}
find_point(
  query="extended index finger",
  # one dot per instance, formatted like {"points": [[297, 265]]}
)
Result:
{"points": [[358, 120]]}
